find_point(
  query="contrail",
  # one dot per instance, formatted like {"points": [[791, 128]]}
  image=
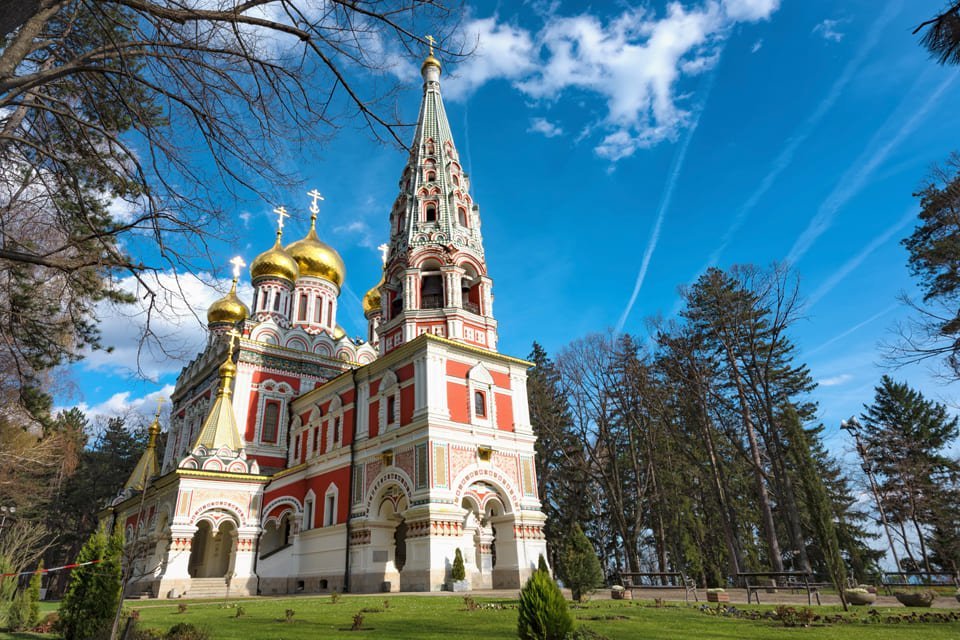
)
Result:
{"points": [[846, 333], [785, 157], [860, 172], [855, 261], [665, 200]]}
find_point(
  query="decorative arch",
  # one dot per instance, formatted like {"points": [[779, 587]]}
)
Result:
{"points": [[232, 509], [282, 506], [480, 374], [393, 475], [320, 347], [492, 476], [297, 343], [266, 334]]}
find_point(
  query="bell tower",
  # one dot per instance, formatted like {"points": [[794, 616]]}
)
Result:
{"points": [[435, 278]]}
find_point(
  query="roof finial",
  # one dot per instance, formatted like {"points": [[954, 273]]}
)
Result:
{"points": [[281, 212], [384, 252], [238, 264], [430, 60], [314, 206]]}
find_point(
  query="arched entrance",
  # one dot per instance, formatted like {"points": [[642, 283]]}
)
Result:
{"points": [[388, 535], [213, 550]]}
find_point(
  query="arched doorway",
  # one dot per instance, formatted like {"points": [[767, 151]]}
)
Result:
{"points": [[388, 539], [212, 552]]}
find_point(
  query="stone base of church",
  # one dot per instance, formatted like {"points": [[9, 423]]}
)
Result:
{"points": [[301, 584]]}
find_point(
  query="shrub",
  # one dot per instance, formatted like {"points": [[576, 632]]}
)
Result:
{"points": [[543, 613], [289, 615], [357, 622], [791, 617], [182, 607], [458, 572], [186, 631], [146, 634], [579, 566], [17, 612], [334, 597], [542, 564], [91, 601], [470, 603], [240, 612]]}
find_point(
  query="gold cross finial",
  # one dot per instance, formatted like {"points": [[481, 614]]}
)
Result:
{"points": [[238, 264], [432, 42], [384, 251], [159, 405], [314, 206], [281, 214]]}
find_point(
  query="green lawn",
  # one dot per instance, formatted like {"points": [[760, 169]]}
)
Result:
{"points": [[446, 618]]}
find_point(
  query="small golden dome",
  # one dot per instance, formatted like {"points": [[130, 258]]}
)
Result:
{"points": [[430, 61], [339, 332], [318, 259], [229, 309], [371, 301], [275, 263]]}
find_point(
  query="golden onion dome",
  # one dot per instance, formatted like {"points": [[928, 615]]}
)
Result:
{"points": [[275, 263], [229, 309], [430, 61], [316, 258], [371, 300], [339, 332]]}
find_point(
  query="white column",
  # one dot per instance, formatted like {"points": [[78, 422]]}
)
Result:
{"points": [[521, 403], [436, 387], [363, 410], [245, 552]]}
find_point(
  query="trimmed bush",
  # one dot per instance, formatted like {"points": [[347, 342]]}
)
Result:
{"points": [[579, 566], [458, 572], [186, 631], [88, 608], [543, 612], [542, 564]]}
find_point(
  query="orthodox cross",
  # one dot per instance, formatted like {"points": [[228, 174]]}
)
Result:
{"points": [[159, 405], [238, 264], [384, 250], [233, 334], [314, 207], [281, 214], [432, 42]]}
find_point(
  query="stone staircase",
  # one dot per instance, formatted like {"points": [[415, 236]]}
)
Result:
{"points": [[210, 588]]}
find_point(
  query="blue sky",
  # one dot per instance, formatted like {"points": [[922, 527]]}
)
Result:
{"points": [[616, 151]]}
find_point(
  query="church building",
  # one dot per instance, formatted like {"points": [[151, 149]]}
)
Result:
{"points": [[299, 460]]}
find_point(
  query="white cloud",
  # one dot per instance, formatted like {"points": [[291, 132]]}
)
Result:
{"points": [[501, 51], [828, 30], [756, 46], [750, 10], [634, 61], [544, 126], [177, 324], [136, 410], [834, 381]]}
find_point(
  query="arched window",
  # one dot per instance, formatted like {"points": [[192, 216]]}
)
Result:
{"points": [[430, 212], [330, 312], [480, 404], [462, 216], [456, 180], [317, 309], [276, 301], [271, 422], [431, 176], [302, 311], [400, 220]]}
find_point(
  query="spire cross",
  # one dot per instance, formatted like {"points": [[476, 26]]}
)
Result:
{"points": [[281, 214], [314, 207], [238, 264], [432, 42], [384, 250], [159, 405]]}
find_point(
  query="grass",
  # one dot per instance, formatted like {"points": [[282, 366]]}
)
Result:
{"points": [[446, 617]]}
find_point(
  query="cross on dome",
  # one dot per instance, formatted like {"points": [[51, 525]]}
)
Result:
{"points": [[160, 400], [384, 251], [238, 264], [281, 212], [314, 206], [432, 42]]}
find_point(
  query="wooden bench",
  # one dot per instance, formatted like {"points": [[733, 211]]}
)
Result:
{"points": [[793, 580], [911, 579], [660, 580]]}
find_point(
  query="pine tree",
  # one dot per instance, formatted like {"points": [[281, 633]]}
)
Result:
{"points": [[579, 567], [907, 438], [458, 572], [88, 608], [542, 611]]}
